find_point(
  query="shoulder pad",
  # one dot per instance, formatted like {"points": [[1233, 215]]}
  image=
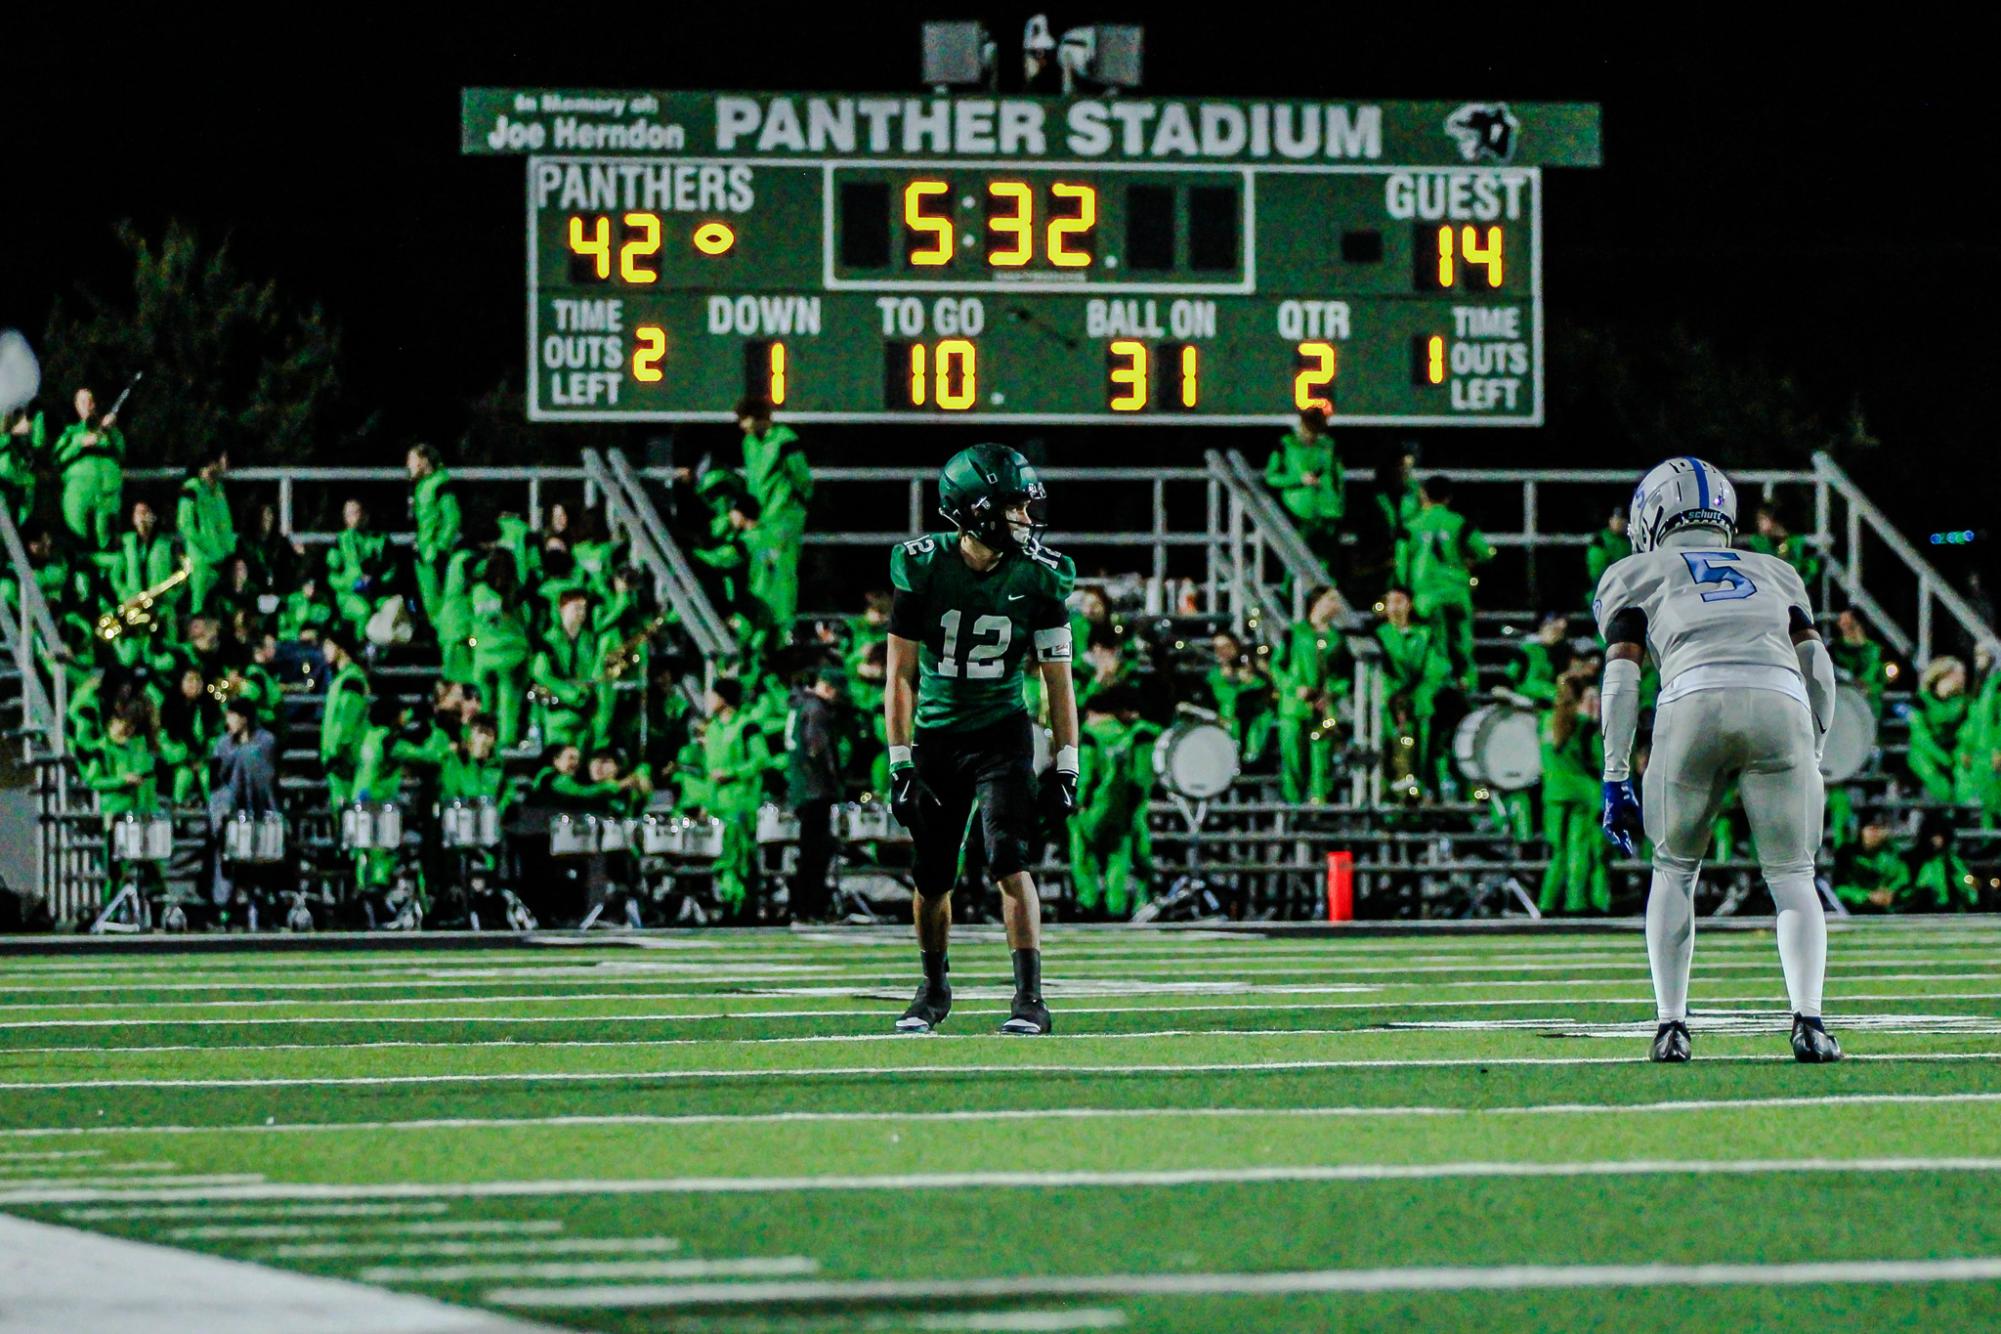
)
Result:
{"points": [[910, 563], [1059, 571]]}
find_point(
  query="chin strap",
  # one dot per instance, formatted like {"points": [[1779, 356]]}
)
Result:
{"points": [[1619, 708], [1818, 669]]}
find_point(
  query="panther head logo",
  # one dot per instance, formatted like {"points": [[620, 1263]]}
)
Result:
{"points": [[1484, 131]]}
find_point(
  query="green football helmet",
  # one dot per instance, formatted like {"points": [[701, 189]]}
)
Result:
{"points": [[978, 486]]}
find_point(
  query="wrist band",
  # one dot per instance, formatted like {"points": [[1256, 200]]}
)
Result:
{"points": [[1066, 759], [899, 756]]}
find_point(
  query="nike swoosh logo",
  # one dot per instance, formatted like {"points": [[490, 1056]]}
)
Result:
{"points": [[1016, 597]]}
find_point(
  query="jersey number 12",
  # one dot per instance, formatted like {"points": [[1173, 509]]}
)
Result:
{"points": [[983, 660]]}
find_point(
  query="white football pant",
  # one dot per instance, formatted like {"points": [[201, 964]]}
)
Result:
{"points": [[1763, 739]]}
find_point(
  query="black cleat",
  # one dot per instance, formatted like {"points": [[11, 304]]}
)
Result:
{"points": [[1671, 1044], [1029, 1020], [1812, 1043], [928, 1010]]}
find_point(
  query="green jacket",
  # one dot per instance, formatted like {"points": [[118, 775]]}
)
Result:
{"points": [[1108, 797], [1435, 557], [454, 619], [1308, 659], [735, 747], [1943, 881], [436, 503], [18, 456], [300, 613], [1861, 665], [1859, 873], [1412, 664], [380, 762], [568, 667], [776, 472], [1936, 725], [356, 555], [140, 564], [463, 779], [1606, 550], [72, 451], [1533, 674], [110, 773], [204, 521], [1572, 773], [564, 792], [344, 721], [499, 627], [1322, 500]]}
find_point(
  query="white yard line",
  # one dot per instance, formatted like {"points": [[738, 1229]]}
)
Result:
{"points": [[172, 1211], [344, 1250], [1819, 1102], [1499, 1278], [29, 1155], [949, 1181], [903, 1071], [134, 1187], [58, 1278], [778, 1266], [284, 1232], [1778, 1016]]}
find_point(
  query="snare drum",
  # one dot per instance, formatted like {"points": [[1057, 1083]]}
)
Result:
{"points": [[776, 825], [254, 839], [1197, 760], [1851, 739], [142, 838], [573, 835], [658, 835], [702, 838], [866, 822], [366, 826], [469, 824], [613, 834], [1501, 746]]}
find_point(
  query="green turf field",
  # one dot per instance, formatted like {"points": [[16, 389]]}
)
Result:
{"points": [[1227, 1133]]}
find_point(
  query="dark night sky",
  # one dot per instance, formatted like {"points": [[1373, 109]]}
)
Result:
{"points": [[1815, 210]]}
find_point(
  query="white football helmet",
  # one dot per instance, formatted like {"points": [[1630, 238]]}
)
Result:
{"points": [[1681, 493]]}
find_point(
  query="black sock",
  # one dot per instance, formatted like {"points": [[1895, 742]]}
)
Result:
{"points": [[1028, 974], [935, 967]]}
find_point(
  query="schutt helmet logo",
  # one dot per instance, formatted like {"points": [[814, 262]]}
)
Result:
{"points": [[1484, 131]]}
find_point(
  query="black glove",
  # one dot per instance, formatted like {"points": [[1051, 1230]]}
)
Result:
{"points": [[909, 795], [1059, 790]]}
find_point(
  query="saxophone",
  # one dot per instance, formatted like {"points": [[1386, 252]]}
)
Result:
{"points": [[135, 614]]}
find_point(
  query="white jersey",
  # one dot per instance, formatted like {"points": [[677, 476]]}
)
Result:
{"points": [[1707, 606]]}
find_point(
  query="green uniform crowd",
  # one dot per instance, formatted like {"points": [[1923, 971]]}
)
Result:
{"points": [[537, 631]]}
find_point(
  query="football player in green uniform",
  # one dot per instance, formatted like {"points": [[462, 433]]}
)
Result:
{"points": [[969, 605]]}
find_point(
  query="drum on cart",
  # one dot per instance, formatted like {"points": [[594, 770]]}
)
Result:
{"points": [[865, 822], [1196, 760], [142, 838], [1851, 738], [658, 834], [1501, 746], [473, 823], [775, 824], [370, 825], [573, 835], [704, 837], [254, 839]]}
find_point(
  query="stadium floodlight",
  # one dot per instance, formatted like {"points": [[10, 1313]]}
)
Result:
{"points": [[1105, 55], [958, 53]]}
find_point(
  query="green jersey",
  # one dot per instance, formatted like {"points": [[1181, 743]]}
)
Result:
{"points": [[974, 629]]}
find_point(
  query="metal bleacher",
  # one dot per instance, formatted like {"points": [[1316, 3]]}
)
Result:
{"points": [[1210, 549]]}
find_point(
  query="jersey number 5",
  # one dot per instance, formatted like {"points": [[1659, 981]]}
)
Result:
{"points": [[1718, 567], [983, 660]]}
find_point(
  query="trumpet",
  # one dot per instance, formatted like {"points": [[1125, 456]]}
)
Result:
{"points": [[135, 614]]}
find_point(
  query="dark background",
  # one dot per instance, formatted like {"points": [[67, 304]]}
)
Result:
{"points": [[1809, 216]]}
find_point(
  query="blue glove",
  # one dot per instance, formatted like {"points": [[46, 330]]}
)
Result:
{"points": [[1623, 823]]}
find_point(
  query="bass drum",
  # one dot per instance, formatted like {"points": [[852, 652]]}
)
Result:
{"points": [[1196, 760], [1499, 745], [1851, 740]]}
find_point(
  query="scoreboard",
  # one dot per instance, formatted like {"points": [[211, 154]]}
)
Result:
{"points": [[875, 259]]}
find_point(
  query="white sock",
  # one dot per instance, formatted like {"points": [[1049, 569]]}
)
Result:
{"points": [[1671, 939], [1802, 939]]}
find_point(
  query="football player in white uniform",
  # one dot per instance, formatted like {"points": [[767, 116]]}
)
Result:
{"points": [[1747, 695]]}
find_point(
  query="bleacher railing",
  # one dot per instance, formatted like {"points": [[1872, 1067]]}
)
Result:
{"points": [[630, 510]]}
